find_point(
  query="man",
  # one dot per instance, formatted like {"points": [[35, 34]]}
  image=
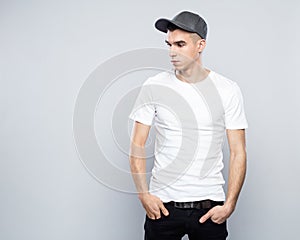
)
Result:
{"points": [[191, 108]]}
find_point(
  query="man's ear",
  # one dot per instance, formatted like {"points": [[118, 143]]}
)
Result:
{"points": [[201, 45]]}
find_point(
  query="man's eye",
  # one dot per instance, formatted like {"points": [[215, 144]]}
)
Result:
{"points": [[180, 44]]}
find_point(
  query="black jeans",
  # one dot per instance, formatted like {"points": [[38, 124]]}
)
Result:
{"points": [[184, 221]]}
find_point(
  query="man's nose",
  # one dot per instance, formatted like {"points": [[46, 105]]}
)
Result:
{"points": [[172, 52]]}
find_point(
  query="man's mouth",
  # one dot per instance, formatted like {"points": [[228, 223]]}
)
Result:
{"points": [[174, 61]]}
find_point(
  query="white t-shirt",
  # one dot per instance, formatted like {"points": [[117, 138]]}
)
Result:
{"points": [[190, 121]]}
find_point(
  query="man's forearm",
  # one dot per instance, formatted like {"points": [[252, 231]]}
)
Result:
{"points": [[152, 204], [138, 169], [237, 172]]}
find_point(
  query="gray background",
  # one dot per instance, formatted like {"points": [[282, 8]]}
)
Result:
{"points": [[49, 48]]}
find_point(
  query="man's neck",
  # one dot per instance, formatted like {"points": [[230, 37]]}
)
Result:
{"points": [[194, 74]]}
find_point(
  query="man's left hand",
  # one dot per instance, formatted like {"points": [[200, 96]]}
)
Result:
{"points": [[217, 214]]}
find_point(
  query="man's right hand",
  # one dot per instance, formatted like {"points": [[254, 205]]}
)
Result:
{"points": [[153, 206]]}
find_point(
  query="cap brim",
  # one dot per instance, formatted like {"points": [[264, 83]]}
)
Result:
{"points": [[162, 25]]}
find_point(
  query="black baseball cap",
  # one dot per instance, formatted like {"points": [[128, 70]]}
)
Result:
{"points": [[187, 21]]}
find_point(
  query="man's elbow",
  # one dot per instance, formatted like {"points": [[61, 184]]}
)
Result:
{"points": [[240, 155]]}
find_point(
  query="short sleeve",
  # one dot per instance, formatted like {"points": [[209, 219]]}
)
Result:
{"points": [[235, 117], [144, 108]]}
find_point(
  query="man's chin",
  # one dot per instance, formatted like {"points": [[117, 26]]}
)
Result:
{"points": [[178, 68]]}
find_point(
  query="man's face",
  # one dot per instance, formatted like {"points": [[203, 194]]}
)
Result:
{"points": [[183, 49]]}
